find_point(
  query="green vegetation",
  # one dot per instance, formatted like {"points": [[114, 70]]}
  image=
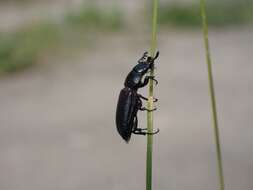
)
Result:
{"points": [[212, 94], [150, 102], [219, 13], [22, 48], [92, 17]]}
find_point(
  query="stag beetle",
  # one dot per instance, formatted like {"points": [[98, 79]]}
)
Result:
{"points": [[130, 102]]}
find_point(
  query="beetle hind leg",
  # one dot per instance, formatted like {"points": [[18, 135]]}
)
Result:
{"points": [[136, 130], [155, 132], [139, 131]]}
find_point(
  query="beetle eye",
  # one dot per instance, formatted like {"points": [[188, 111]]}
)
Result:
{"points": [[145, 59]]}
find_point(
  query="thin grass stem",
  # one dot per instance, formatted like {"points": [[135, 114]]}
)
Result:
{"points": [[212, 94], [150, 103]]}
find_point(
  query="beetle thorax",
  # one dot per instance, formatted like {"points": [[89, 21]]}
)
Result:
{"points": [[141, 68], [133, 79]]}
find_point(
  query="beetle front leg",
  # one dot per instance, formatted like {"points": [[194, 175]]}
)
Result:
{"points": [[144, 83], [146, 80], [152, 78]]}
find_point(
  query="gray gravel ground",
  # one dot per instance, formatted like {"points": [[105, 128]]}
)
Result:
{"points": [[57, 127]]}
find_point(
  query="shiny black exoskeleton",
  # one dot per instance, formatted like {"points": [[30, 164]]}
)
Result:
{"points": [[130, 102]]}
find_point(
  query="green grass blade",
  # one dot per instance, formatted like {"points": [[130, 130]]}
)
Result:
{"points": [[212, 94], [150, 101]]}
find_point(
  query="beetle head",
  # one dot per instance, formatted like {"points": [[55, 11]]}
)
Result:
{"points": [[145, 63], [144, 58]]}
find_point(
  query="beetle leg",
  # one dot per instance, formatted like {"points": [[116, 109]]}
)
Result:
{"points": [[139, 131], [144, 83], [146, 80], [153, 133], [136, 130], [139, 103], [144, 98], [135, 124], [146, 109], [152, 78], [155, 99]]}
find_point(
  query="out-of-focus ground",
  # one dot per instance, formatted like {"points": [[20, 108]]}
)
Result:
{"points": [[14, 15], [57, 126]]}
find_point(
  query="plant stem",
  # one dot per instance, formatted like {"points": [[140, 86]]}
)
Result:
{"points": [[150, 103], [212, 94]]}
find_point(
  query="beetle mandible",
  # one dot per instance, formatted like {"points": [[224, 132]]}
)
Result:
{"points": [[129, 102]]}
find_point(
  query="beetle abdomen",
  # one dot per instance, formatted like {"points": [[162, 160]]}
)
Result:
{"points": [[126, 112]]}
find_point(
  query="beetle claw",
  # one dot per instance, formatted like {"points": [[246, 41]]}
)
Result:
{"points": [[156, 82], [153, 133]]}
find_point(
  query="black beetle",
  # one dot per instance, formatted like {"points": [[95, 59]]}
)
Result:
{"points": [[130, 102]]}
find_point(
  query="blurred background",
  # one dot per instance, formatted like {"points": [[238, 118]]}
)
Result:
{"points": [[62, 65]]}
